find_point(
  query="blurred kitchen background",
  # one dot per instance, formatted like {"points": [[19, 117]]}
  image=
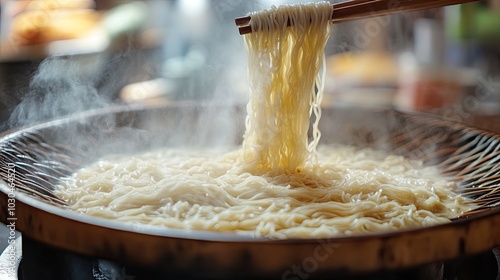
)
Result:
{"points": [[63, 56]]}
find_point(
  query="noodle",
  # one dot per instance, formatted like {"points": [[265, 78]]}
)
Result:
{"points": [[353, 191], [277, 184], [283, 65]]}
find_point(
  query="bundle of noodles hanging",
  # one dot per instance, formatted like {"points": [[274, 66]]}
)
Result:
{"points": [[284, 63], [275, 185]]}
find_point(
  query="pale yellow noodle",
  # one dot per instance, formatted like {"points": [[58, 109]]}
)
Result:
{"points": [[351, 192], [284, 64], [276, 184]]}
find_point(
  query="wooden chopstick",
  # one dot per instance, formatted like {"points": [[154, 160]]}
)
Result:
{"points": [[357, 9], [346, 4]]}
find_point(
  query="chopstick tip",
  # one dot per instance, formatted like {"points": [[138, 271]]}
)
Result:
{"points": [[245, 29], [242, 20]]}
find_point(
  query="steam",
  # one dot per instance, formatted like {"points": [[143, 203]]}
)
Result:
{"points": [[65, 86], [60, 87]]}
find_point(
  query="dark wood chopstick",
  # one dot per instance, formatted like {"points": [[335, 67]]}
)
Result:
{"points": [[357, 9], [241, 21]]}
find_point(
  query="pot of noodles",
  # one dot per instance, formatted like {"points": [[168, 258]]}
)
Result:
{"points": [[218, 190], [396, 191]]}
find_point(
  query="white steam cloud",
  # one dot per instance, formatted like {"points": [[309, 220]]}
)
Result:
{"points": [[60, 86]]}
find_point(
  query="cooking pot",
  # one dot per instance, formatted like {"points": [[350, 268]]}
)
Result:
{"points": [[33, 159]]}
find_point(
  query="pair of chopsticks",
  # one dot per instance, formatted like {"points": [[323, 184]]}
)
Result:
{"points": [[357, 9]]}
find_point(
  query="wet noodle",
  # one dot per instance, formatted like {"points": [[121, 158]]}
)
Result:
{"points": [[278, 184]]}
